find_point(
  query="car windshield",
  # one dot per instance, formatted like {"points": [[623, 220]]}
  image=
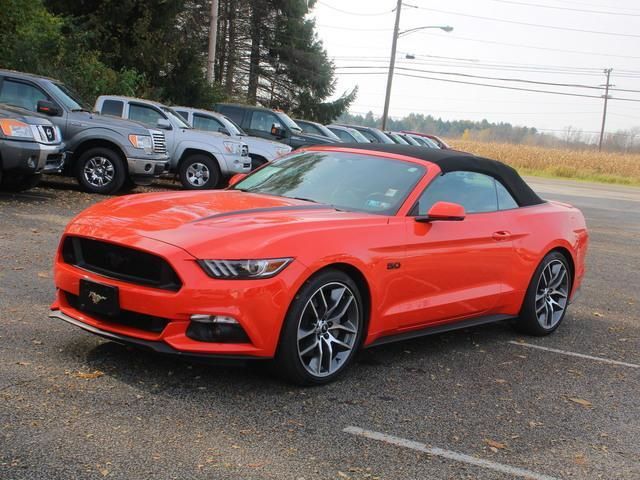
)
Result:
{"points": [[284, 118], [358, 136], [176, 117], [68, 97], [233, 127], [346, 181]]}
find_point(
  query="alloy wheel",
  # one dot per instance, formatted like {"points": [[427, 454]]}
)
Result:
{"points": [[552, 294], [328, 329], [198, 174], [99, 171]]}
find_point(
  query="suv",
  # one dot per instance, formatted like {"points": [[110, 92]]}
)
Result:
{"points": [[316, 128], [270, 124], [201, 159], [373, 134], [104, 154], [261, 150], [29, 146]]}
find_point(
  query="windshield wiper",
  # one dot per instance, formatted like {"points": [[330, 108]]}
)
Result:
{"points": [[305, 199]]}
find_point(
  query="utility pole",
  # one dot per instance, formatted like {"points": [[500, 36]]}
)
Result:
{"points": [[213, 37], [392, 64], [607, 72]]}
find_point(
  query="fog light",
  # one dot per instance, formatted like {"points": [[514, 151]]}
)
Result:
{"points": [[216, 328]]}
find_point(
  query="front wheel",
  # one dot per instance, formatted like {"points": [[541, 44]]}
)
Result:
{"points": [[199, 172], [101, 170], [322, 331], [545, 303]]}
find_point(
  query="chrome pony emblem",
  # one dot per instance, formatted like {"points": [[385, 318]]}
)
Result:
{"points": [[96, 298]]}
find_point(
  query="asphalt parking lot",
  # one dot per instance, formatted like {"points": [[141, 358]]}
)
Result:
{"points": [[482, 403]]}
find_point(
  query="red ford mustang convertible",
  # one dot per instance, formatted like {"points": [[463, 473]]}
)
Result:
{"points": [[321, 253]]}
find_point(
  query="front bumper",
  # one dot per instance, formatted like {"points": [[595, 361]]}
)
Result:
{"points": [[236, 164], [27, 157], [146, 167]]}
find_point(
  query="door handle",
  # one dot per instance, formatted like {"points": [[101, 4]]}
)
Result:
{"points": [[501, 235]]}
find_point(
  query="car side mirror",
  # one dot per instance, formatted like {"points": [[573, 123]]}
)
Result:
{"points": [[48, 108], [238, 177], [164, 124], [224, 131], [443, 211], [277, 131]]}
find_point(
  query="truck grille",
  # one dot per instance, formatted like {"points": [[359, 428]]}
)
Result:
{"points": [[121, 263], [245, 150], [159, 142]]}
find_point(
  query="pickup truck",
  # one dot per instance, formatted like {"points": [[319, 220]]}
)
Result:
{"points": [[270, 124], [261, 150], [202, 160], [104, 154], [30, 145]]}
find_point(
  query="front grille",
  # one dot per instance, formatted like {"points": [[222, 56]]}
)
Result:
{"points": [[122, 263], [245, 150], [140, 321], [159, 142]]}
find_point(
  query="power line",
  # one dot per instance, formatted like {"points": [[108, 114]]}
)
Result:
{"points": [[537, 25], [359, 14], [581, 10]]}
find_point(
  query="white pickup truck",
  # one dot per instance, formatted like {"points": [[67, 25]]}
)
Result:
{"points": [[261, 150], [201, 159]]}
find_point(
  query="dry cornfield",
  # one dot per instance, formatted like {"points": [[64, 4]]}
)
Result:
{"points": [[605, 167]]}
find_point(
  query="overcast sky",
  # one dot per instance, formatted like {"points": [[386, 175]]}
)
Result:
{"points": [[359, 32]]}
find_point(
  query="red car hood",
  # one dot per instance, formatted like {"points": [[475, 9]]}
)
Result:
{"points": [[229, 222]]}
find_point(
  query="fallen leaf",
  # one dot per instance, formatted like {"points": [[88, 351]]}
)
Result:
{"points": [[342, 474], [43, 275], [104, 472], [88, 375], [500, 380], [494, 444], [580, 459], [580, 401], [597, 314]]}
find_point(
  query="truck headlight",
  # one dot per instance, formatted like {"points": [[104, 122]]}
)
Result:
{"points": [[143, 142], [244, 269], [16, 129], [233, 147]]}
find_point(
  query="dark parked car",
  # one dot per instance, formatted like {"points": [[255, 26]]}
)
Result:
{"points": [[373, 134], [103, 153], [270, 124], [396, 138], [29, 146], [348, 134], [316, 128]]}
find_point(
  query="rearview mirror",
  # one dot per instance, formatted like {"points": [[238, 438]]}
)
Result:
{"points": [[48, 108], [164, 124], [238, 177], [278, 131], [443, 211]]}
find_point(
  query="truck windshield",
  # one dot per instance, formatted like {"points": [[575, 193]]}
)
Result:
{"points": [[68, 97], [175, 117], [290, 124]]}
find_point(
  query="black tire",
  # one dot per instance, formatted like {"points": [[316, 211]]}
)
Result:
{"points": [[128, 185], [19, 183], [101, 170], [200, 172], [288, 362], [535, 305]]}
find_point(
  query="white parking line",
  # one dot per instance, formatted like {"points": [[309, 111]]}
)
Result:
{"points": [[574, 354], [439, 452]]}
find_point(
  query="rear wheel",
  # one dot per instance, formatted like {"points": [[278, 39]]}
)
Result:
{"points": [[547, 297], [322, 331], [199, 172], [101, 170]]}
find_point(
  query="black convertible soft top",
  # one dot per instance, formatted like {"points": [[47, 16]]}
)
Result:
{"points": [[452, 161]]}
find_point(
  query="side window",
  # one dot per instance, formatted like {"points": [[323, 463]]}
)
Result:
{"points": [[344, 136], [21, 94], [112, 107], [183, 114], [310, 128], [369, 136], [474, 191], [505, 200], [263, 121], [202, 122], [234, 113], [144, 114]]}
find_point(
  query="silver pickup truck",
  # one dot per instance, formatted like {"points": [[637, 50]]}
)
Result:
{"points": [[201, 159], [30, 145]]}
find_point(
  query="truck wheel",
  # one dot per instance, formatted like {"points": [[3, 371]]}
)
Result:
{"points": [[101, 170], [19, 183], [199, 172]]}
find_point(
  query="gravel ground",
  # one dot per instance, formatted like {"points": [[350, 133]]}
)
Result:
{"points": [[75, 406]]}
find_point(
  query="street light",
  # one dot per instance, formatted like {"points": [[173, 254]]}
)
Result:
{"points": [[397, 34]]}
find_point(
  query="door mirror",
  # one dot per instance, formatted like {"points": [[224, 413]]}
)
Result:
{"points": [[236, 178], [48, 108], [278, 131], [443, 211], [224, 131], [164, 124]]}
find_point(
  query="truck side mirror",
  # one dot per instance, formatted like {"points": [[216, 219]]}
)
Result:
{"points": [[278, 131], [48, 108]]}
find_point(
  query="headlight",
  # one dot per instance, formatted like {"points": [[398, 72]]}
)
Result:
{"points": [[16, 129], [141, 141], [244, 269], [282, 151], [233, 147]]}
